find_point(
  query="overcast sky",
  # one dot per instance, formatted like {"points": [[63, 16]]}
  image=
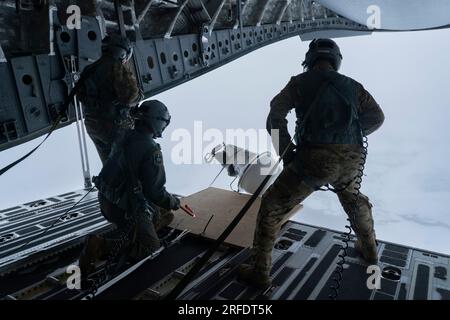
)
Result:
{"points": [[407, 176]]}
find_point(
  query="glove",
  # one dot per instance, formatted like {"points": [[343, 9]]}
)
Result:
{"points": [[289, 155], [176, 204]]}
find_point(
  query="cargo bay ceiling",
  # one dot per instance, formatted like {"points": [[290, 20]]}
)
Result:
{"points": [[44, 46]]}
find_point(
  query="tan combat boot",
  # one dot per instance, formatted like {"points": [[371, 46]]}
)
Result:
{"points": [[253, 277], [366, 246]]}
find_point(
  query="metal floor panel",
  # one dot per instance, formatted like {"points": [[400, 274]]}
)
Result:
{"points": [[304, 271], [304, 260], [22, 227]]}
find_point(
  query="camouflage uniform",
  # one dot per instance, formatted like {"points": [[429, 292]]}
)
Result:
{"points": [[108, 91], [313, 166]]}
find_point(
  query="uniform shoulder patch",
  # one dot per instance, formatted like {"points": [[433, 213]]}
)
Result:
{"points": [[157, 158]]}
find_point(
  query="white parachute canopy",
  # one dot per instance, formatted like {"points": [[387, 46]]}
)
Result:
{"points": [[393, 14]]}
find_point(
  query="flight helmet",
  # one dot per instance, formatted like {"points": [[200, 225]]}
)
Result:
{"points": [[154, 115], [118, 47], [323, 49]]}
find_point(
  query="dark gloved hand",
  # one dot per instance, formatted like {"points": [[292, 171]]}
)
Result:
{"points": [[289, 155], [176, 204]]}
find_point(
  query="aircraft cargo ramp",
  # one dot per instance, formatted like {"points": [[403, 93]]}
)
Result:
{"points": [[33, 265]]}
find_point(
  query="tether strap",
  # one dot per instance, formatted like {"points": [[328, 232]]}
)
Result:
{"points": [[11, 165]]}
